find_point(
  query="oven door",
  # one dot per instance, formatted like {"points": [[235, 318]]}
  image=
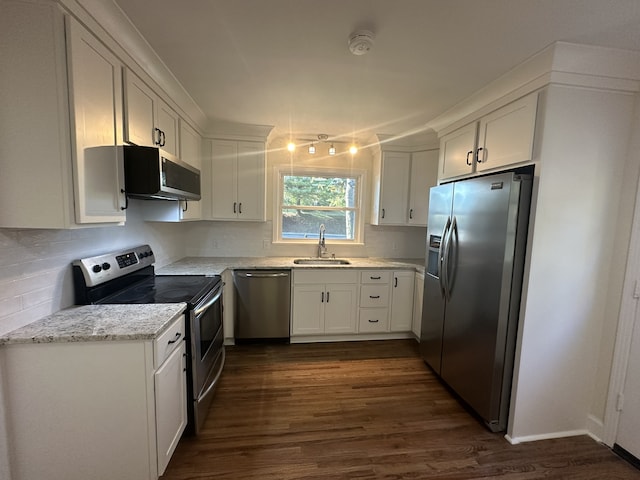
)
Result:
{"points": [[207, 353]]}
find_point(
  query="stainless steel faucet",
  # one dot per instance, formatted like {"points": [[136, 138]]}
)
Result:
{"points": [[322, 249]]}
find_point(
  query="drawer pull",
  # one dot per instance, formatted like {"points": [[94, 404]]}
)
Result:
{"points": [[375, 278], [374, 296], [374, 321], [175, 339]]}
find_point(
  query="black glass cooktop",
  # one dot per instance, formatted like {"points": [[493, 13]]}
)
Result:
{"points": [[165, 289]]}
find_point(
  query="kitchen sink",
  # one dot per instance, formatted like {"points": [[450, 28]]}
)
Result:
{"points": [[321, 261]]}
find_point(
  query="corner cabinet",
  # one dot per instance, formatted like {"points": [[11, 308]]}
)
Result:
{"points": [[401, 187], [324, 302], [499, 139], [149, 121], [238, 180], [61, 125]]}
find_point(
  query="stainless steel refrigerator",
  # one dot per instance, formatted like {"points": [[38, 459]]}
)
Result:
{"points": [[476, 239]]}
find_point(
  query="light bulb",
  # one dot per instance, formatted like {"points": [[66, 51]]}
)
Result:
{"points": [[332, 150], [291, 146], [312, 149], [353, 149]]}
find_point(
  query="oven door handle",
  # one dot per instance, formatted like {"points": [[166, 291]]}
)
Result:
{"points": [[215, 380], [213, 300]]}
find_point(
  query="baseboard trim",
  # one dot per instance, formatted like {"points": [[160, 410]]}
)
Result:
{"points": [[595, 427], [546, 436]]}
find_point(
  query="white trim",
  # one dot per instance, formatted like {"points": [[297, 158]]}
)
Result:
{"points": [[595, 427], [355, 337], [626, 321], [547, 436], [284, 169]]}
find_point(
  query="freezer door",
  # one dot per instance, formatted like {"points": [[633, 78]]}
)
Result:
{"points": [[485, 213], [433, 306]]}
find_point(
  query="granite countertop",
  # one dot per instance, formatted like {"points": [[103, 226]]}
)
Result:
{"points": [[217, 265], [97, 323]]}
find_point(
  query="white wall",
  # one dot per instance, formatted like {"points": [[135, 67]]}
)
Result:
{"points": [[573, 280]]}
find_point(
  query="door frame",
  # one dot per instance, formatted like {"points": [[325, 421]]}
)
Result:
{"points": [[626, 322]]}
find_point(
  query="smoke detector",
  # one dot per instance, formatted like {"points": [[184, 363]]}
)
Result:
{"points": [[361, 42]]}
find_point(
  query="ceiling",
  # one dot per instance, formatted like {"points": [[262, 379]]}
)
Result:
{"points": [[286, 63]]}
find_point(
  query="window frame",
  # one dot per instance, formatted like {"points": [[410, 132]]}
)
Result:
{"points": [[280, 171]]}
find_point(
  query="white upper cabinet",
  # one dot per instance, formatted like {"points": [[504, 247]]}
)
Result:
{"points": [[499, 139], [149, 121], [238, 179], [457, 151], [401, 187], [191, 153], [506, 136], [61, 122]]}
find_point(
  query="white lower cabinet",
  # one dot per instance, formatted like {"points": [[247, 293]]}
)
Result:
{"points": [[418, 294], [324, 302], [98, 410], [402, 301]]}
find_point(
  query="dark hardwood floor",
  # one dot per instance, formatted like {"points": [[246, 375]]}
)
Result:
{"points": [[362, 410]]}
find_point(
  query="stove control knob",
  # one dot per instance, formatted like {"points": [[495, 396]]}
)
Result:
{"points": [[106, 266], [96, 268], [150, 252]]}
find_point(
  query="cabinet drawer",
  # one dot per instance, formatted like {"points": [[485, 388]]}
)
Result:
{"points": [[168, 341], [375, 276], [325, 276], [374, 296], [374, 320]]}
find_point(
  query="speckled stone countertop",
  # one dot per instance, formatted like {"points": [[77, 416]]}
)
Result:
{"points": [[217, 265], [88, 323]]}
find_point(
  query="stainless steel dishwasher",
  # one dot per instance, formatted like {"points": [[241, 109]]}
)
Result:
{"points": [[262, 305]]}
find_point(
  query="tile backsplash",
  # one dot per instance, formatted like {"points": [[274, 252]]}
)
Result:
{"points": [[35, 265]]}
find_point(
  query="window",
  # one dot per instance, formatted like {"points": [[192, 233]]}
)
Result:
{"points": [[310, 198]]}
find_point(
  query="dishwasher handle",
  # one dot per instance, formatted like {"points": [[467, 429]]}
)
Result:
{"points": [[261, 275]]}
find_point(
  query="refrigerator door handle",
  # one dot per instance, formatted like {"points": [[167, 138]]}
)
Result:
{"points": [[452, 256], [445, 259], [441, 261]]}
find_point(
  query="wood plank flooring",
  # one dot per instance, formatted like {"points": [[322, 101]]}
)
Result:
{"points": [[361, 410]]}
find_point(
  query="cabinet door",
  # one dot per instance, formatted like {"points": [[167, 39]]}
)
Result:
{"points": [[417, 304], [307, 316], [167, 122], [224, 205], [190, 152], [251, 181], [402, 301], [340, 308], [171, 405], [394, 190], [139, 107], [424, 175], [506, 135], [457, 151], [95, 81]]}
